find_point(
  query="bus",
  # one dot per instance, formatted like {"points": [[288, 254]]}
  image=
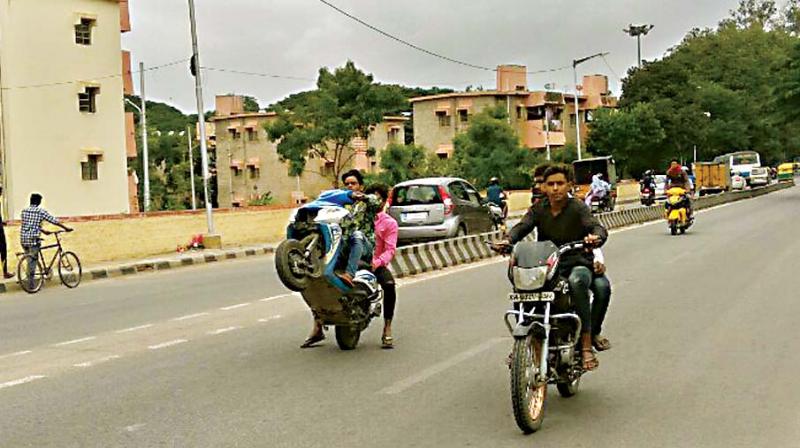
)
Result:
{"points": [[741, 162]]}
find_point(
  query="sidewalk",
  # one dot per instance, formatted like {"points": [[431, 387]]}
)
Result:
{"points": [[151, 264]]}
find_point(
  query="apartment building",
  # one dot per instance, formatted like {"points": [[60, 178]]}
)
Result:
{"points": [[541, 118], [248, 165], [62, 123]]}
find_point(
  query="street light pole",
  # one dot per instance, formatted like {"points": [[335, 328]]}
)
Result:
{"points": [[575, 64], [200, 116], [191, 166], [638, 31], [145, 157]]}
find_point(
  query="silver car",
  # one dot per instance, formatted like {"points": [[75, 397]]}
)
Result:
{"points": [[439, 207]]}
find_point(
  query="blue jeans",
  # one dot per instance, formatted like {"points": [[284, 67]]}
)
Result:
{"points": [[580, 280], [601, 288], [360, 247], [32, 250]]}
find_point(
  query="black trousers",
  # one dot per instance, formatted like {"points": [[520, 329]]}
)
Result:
{"points": [[386, 280], [3, 248]]}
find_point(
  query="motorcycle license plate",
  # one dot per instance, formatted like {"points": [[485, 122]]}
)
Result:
{"points": [[532, 296]]}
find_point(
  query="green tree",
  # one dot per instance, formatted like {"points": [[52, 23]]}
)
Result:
{"points": [[402, 162], [251, 104], [491, 148], [628, 135], [347, 102]]}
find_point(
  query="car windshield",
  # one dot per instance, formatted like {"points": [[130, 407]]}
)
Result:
{"points": [[416, 195], [745, 159]]}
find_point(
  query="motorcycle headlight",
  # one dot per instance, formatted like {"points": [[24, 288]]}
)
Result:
{"points": [[530, 279]]}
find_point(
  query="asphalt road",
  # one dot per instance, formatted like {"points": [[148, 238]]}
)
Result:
{"points": [[702, 326]]}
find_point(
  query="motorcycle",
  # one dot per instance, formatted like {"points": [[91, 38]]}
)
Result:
{"points": [[676, 211], [603, 204], [497, 213], [647, 194], [306, 262], [545, 328]]}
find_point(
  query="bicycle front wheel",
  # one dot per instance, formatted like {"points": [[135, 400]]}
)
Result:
{"points": [[69, 269], [30, 274]]}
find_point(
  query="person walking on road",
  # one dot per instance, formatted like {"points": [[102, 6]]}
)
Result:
{"points": [[31, 229], [385, 247]]}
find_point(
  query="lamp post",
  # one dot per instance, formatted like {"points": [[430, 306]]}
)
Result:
{"points": [[145, 162], [575, 64], [638, 31]]}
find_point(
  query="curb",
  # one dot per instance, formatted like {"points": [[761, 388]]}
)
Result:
{"points": [[416, 259]]}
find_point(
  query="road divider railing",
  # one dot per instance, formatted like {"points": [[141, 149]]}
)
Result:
{"points": [[438, 255]]}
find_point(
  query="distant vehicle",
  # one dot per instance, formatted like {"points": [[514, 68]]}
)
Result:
{"points": [[741, 163], [786, 172], [759, 176], [440, 207], [712, 177], [661, 184], [586, 168], [738, 182]]}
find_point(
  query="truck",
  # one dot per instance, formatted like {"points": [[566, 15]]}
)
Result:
{"points": [[712, 177]]}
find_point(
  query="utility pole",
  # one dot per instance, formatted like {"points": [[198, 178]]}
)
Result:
{"points": [[198, 83], [575, 64], [145, 159], [191, 166], [638, 31]]}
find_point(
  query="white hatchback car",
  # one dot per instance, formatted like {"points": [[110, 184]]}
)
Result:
{"points": [[759, 177]]}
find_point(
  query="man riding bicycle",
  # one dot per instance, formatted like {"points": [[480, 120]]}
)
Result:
{"points": [[31, 229], [562, 219]]}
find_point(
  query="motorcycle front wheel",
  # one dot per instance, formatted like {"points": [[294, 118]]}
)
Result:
{"points": [[290, 263], [528, 388]]}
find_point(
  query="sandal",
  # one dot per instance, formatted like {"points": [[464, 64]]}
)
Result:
{"points": [[590, 361], [600, 343], [387, 342]]}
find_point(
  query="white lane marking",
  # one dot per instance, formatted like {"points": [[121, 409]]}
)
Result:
{"points": [[75, 341], [271, 318], [96, 361], [440, 367], [233, 307], [12, 355], [449, 271], [140, 327], [167, 344], [223, 330], [190, 316], [27, 379], [135, 427], [282, 296]]}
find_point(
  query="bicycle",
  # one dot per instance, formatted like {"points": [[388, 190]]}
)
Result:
{"points": [[32, 280]]}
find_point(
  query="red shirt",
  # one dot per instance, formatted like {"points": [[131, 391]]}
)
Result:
{"points": [[385, 240]]}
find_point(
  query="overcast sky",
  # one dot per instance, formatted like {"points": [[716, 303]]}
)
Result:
{"points": [[296, 37]]}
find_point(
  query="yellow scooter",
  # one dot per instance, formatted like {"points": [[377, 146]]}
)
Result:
{"points": [[676, 210]]}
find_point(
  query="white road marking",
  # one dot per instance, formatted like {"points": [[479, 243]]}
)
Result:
{"points": [[271, 318], [27, 379], [437, 368], [135, 427], [12, 355], [75, 341], [282, 296], [223, 330], [190, 316], [96, 361], [140, 327], [233, 307], [167, 344]]}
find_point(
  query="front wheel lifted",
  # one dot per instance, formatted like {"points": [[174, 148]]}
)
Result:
{"points": [[347, 337], [528, 386], [290, 262]]}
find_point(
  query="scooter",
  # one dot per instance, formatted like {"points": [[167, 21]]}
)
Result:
{"points": [[676, 211], [306, 262]]}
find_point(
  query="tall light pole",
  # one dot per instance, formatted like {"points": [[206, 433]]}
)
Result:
{"points": [[189, 137], [198, 83], [145, 163], [575, 64], [638, 31]]}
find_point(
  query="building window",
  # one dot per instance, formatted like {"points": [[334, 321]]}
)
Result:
{"points": [[253, 172], [235, 134], [89, 167], [444, 119], [443, 155], [83, 31], [235, 172], [463, 116], [87, 100], [393, 135], [252, 135]]}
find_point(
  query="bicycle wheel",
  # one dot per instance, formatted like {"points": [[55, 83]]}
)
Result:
{"points": [[69, 269], [30, 280]]}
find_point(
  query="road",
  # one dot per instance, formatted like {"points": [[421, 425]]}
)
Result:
{"points": [[207, 356]]}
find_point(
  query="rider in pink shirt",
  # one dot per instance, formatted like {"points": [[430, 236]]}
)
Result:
{"points": [[385, 248]]}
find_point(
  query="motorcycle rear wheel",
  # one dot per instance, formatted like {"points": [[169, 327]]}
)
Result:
{"points": [[673, 228], [287, 253], [528, 390], [347, 337]]}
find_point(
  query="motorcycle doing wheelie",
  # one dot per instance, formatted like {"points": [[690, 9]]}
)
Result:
{"points": [[306, 262], [676, 211], [545, 328]]}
